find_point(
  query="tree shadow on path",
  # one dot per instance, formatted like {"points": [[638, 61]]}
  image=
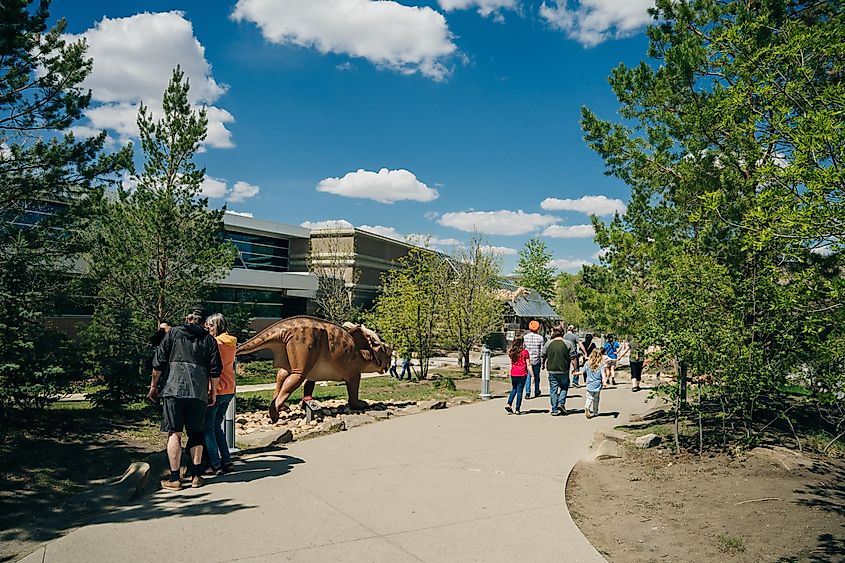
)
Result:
{"points": [[160, 504]]}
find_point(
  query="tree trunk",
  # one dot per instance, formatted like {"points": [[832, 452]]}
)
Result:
{"points": [[466, 362]]}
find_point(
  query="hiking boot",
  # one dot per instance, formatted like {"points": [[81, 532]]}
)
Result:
{"points": [[587, 414], [197, 482], [171, 485]]}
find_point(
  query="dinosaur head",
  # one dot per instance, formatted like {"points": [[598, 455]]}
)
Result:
{"points": [[372, 349]]}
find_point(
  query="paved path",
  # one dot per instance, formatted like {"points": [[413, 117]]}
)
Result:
{"points": [[465, 484]]}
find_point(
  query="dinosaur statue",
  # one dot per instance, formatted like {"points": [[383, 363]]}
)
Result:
{"points": [[307, 349]]}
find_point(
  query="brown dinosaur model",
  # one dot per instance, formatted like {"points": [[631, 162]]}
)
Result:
{"points": [[310, 349]]}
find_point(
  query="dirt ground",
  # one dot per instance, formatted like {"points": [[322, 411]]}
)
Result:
{"points": [[653, 506]]}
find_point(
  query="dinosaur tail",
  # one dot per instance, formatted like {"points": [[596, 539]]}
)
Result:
{"points": [[257, 342]]}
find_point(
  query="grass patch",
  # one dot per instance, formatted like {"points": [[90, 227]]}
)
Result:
{"points": [[730, 545], [255, 373]]}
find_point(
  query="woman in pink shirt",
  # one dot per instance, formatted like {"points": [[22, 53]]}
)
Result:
{"points": [[519, 372]]}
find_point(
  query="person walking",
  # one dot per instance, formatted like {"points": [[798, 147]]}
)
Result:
{"points": [[556, 360], [520, 364], [406, 366], [594, 380], [192, 360], [394, 363], [575, 347], [611, 348], [637, 355], [219, 459], [534, 344]]}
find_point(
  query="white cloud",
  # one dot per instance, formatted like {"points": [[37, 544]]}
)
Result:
{"points": [[242, 190], [133, 60], [218, 188], [569, 264], [239, 213], [421, 239], [408, 39], [385, 186], [388, 232], [485, 7], [213, 187], [499, 250], [569, 231], [502, 222], [592, 21], [590, 204], [329, 224], [601, 254], [418, 239]]}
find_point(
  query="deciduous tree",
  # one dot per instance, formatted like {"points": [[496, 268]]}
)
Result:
{"points": [[534, 268], [470, 308]]}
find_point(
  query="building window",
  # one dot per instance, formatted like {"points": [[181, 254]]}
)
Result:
{"points": [[257, 252], [263, 303]]}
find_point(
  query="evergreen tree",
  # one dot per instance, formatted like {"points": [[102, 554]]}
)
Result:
{"points": [[157, 248], [48, 180]]}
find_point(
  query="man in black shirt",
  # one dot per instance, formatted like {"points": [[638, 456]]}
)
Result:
{"points": [[189, 356]]}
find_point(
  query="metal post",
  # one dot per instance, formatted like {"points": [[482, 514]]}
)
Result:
{"points": [[485, 372], [229, 426]]}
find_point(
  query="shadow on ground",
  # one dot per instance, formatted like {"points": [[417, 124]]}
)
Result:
{"points": [[22, 533], [827, 493]]}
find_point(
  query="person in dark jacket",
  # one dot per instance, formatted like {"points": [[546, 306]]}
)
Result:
{"points": [[189, 355]]}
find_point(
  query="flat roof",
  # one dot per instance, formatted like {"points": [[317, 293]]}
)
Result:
{"points": [[261, 227]]}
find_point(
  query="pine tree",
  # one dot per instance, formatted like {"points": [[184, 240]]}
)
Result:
{"points": [[48, 181], [158, 248]]}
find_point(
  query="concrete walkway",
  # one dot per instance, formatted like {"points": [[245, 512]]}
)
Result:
{"points": [[465, 484]]}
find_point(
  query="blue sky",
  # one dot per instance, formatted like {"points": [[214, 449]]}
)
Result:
{"points": [[407, 118]]}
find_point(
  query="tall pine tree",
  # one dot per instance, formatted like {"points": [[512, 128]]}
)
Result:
{"points": [[158, 247], [48, 180]]}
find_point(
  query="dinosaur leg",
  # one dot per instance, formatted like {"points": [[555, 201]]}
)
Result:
{"points": [[308, 390], [275, 405], [352, 386], [302, 358]]}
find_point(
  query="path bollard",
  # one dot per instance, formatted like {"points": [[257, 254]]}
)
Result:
{"points": [[485, 372], [229, 426], [312, 407]]}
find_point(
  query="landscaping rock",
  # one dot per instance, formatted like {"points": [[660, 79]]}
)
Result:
{"points": [[266, 438], [121, 490], [432, 405], [617, 436], [648, 441], [787, 459], [654, 413], [352, 420], [333, 425], [608, 449], [381, 415]]}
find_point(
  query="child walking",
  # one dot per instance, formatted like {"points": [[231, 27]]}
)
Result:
{"points": [[594, 380], [519, 373]]}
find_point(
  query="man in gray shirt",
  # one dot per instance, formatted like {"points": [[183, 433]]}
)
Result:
{"points": [[556, 353], [189, 356]]}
